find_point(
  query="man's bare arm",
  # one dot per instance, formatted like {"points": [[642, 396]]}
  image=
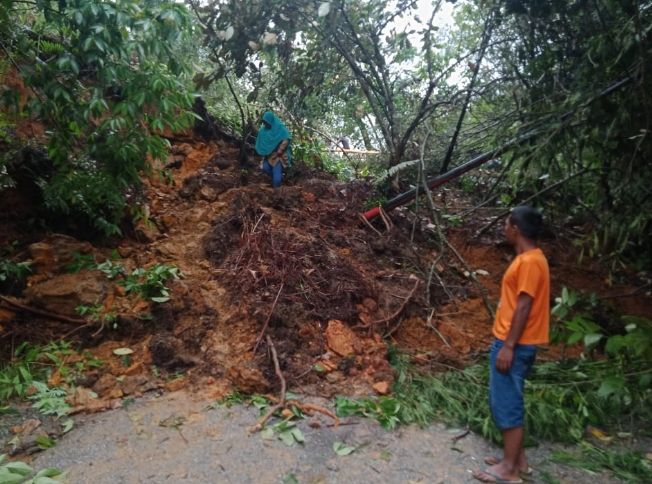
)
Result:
{"points": [[519, 321]]}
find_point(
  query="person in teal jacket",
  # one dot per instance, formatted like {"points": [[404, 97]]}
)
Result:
{"points": [[273, 144]]}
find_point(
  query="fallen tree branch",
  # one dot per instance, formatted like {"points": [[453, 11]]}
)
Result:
{"points": [[385, 218], [370, 226], [432, 326], [311, 407], [269, 317], [42, 312], [281, 403], [539, 193], [627, 294], [398, 311]]}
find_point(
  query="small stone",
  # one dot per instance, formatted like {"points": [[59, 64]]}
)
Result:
{"points": [[62, 294], [175, 385], [207, 193], [381, 387], [105, 384], [115, 393], [340, 338], [332, 466], [132, 383], [334, 377]]}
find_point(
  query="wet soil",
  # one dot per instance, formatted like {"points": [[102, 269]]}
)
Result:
{"points": [[298, 265]]}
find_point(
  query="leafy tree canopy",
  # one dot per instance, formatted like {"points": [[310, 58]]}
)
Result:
{"points": [[106, 81]]}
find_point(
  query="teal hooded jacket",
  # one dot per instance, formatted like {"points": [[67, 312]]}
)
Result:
{"points": [[268, 139]]}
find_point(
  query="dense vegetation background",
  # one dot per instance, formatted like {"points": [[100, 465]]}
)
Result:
{"points": [[108, 78], [558, 91]]}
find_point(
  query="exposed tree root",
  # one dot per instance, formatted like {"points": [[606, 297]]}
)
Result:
{"points": [[282, 403], [41, 312]]}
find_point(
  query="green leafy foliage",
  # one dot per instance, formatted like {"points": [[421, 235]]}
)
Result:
{"points": [[17, 472], [575, 322], [111, 269], [17, 376], [150, 283], [81, 262], [626, 465], [97, 313], [609, 135], [341, 449], [13, 275], [285, 431], [107, 83], [31, 366], [13, 271], [561, 399], [48, 400], [386, 410]]}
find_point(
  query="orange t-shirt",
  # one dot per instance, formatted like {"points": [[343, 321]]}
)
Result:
{"points": [[527, 273]]}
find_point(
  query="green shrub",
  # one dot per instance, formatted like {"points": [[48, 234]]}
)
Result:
{"points": [[17, 472], [108, 82]]}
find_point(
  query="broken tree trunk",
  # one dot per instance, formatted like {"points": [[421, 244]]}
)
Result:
{"points": [[437, 181]]}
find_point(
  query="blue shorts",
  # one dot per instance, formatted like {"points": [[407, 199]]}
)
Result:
{"points": [[506, 389]]}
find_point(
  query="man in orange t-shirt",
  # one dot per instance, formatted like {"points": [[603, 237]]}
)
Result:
{"points": [[522, 323]]}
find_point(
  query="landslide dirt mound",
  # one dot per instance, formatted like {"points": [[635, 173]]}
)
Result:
{"points": [[296, 264]]}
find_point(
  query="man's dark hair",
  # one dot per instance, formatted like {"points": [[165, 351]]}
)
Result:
{"points": [[528, 220]]}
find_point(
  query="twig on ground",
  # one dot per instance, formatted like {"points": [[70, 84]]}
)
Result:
{"points": [[432, 326], [269, 317], [256, 224], [308, 408], [78, 328], [461, 435], [398, 311], [281, 402], [370, 226], [385, 218], [99, 330], [41, 312], [337, 423]]}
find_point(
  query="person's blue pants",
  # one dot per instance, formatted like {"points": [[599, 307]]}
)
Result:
{"points": [[506, 389], [276, 172]]}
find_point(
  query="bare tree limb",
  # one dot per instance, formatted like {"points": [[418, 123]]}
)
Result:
{"points": [[269, 317], [539, 193], [41, 312]]}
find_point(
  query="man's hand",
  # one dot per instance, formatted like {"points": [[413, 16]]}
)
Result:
{"points": [[504, 359]]}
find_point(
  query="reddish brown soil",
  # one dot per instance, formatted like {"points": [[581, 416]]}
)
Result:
{"points": [[299, 261]]}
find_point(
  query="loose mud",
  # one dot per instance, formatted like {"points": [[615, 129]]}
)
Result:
{"points": [[298, 263]]}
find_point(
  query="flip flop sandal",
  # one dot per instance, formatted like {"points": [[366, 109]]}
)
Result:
{"points": [[494, 478], [492, 461]]}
